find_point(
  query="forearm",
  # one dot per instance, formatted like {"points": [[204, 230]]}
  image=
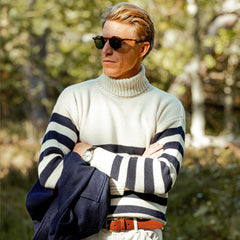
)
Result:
{"points": [[153, 151], [142, 173]]}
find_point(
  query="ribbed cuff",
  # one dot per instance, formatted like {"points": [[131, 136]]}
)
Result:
{"points": [[102, 160], [116, 188]]}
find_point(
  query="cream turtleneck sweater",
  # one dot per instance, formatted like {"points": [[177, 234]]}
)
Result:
{"points": [[125, 87], [122, 117]]}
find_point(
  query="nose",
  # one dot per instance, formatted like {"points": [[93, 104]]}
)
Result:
{"points": [[107, 49]]}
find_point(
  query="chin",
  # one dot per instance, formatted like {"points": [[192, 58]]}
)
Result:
{"points": [[111, 73]]}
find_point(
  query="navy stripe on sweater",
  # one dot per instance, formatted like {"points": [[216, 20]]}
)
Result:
{"points": [[117, 163], [174, 145], [139, 151], [131, 175], [146, 197], [173, 160], [148, 173], [63, 139], [137, 209], [166, 176], [45, 174], [49, 151], [123, 149], [167, 133], [64, 121]]}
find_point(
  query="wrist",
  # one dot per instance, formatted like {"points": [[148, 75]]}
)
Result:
{"points": [[81, 147], [87, 156]]}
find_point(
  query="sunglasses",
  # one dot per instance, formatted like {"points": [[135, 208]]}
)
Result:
{"points": [[115, 42]]}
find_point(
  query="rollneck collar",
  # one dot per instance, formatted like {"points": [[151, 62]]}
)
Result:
{"points": [[127, 87]]}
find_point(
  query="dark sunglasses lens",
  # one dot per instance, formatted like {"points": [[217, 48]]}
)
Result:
{"points": [[99, 42], [115, 43]]}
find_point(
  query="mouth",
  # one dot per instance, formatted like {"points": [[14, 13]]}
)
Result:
{"points": [[107, 61]]}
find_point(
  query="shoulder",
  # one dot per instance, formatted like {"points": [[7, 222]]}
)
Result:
{"points": [[71, 99], [77, 89], [163, 97], [73, 93], [82, 86], [167, 102]]}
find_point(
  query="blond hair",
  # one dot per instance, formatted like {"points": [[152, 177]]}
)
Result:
{"points": [[138, 17]]}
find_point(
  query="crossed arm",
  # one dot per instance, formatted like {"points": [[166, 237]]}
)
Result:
{"points": [[154, 150], [153, 172]]}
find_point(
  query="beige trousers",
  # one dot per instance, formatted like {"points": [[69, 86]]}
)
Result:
{"points": [[136, 234]]}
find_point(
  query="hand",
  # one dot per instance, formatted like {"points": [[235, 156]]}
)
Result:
{"points": [[155, 150], [81, 147]]}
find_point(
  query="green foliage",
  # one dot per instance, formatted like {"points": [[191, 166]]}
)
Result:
{"points": [[210, 61], [205, 201], [15, 221], [50, 38]]}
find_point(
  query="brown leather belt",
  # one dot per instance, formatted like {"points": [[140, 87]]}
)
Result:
{"points": [[128, 224]]}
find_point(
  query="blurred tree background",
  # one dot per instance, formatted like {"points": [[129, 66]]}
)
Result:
{"points": [[47, 45]]}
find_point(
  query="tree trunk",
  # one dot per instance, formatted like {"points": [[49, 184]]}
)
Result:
{"points": [[36, 74], [231, 125], [198, 109]]}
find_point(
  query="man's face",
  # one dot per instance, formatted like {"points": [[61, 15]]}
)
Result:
{"points": [[124, 62]]}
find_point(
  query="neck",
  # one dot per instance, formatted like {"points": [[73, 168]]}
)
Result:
{"points": [[127, 87]]}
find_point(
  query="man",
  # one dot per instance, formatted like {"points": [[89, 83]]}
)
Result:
{"points": [[123, 126]]}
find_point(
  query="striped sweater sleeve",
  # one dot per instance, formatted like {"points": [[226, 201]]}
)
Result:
{"points": [[147, 175], [60, 138]]}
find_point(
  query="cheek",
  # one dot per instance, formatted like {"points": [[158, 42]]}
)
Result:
{"points": [[130, 59]]}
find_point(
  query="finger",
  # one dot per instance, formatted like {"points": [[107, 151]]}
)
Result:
{"points": [[154, 150], [156, 147], [157, 154]]}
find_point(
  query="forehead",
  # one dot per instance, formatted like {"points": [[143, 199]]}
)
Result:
{"points": [[119, 29]]}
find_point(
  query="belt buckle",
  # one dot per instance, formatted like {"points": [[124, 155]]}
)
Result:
{"points": [[107, 224]]}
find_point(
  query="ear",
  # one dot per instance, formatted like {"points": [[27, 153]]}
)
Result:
{"points": [[144, 49]]}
